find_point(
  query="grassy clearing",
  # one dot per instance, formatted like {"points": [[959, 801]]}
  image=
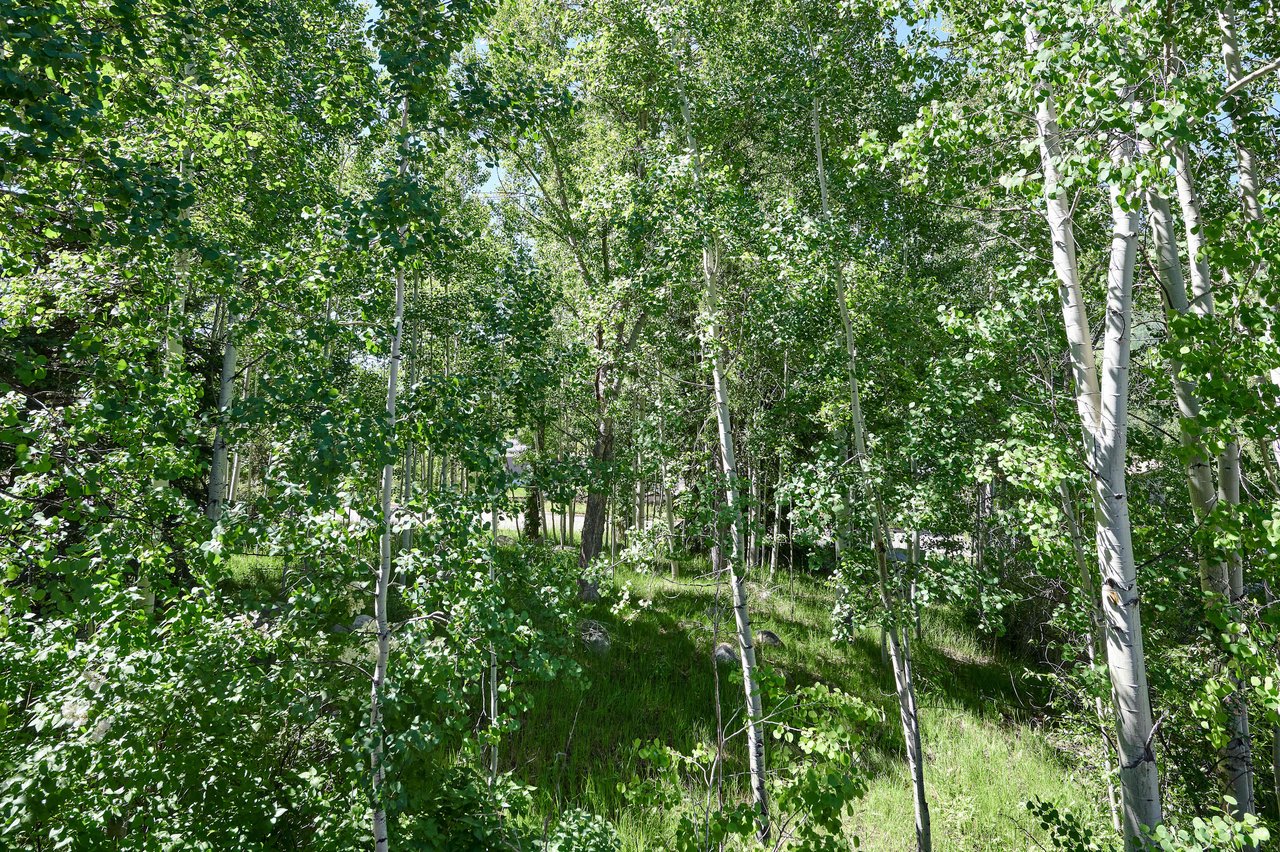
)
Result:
{"points": [[985, 758]]}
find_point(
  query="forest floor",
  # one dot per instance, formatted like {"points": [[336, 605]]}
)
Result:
{"points": [[987, 748], [986, 754]]}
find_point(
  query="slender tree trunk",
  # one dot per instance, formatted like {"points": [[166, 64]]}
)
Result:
{"points": [[1246, 171], [573, 514], [777, 524], [235, 477], [384, 569], [1219, 577], [226, 386], [1125, 655], [724, 423], [601, 487], [410, 455], [1213, 575], [753, 512], [533, 500], [669, 514], [1238, 756], [1104, 418], [916, 560], [898, 646], [493, 660], [980, 543], [532, 515], [639, 496], [1275, 729], [668, 507], [610, 509], [548, 516]]}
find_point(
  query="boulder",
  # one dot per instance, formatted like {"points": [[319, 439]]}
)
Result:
{"points": [[726, 653], [363, 622], [595, 637], [768, 638]]}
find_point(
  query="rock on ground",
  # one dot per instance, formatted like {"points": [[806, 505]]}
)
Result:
{"points": [[595, 637], [768, 637]]}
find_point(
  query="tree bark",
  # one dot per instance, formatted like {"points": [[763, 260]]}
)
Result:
{"points": [[1093, 647], [898, 644], [1213, 575], [1103, 409], [639, 496], [777, 524], [493, 657], [597, 495], [384, 568], [235, 478], [1125, 655], [1246, 171], [573, 514], [737, 582], [1218, 577], [410, 455], [226, 387]]}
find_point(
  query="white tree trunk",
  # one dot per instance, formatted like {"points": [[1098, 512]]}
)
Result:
{"points": [[410, 454], [639, 496], [1125, 656], [235, 477], [776, 539], [493, 661], [1245, 169], [1093, 647], [1244, 157], [1238, 756], [1174, 298], [1103, 409], [724, 423], [384, 568], [226, 387], [899, 647], [1224, 579]]}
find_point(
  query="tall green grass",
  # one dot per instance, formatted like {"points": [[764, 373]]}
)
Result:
{"points": [[984, 754], [985, 751]]}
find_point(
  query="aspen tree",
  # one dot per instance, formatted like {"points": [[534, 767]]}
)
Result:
{"points": [[1102, 405], [714, 344], [384, 568], [897, 640]]}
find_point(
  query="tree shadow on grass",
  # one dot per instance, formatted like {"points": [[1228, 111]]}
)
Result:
{"points": [[656, 682]]}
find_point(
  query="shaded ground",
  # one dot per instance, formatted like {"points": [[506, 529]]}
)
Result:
{"points": [[984, 755]]}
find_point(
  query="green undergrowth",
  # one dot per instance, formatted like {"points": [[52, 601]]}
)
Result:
{"points": [[985, 755]]}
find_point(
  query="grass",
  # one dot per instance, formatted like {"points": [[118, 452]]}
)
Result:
{"points": [[984, 754]]}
